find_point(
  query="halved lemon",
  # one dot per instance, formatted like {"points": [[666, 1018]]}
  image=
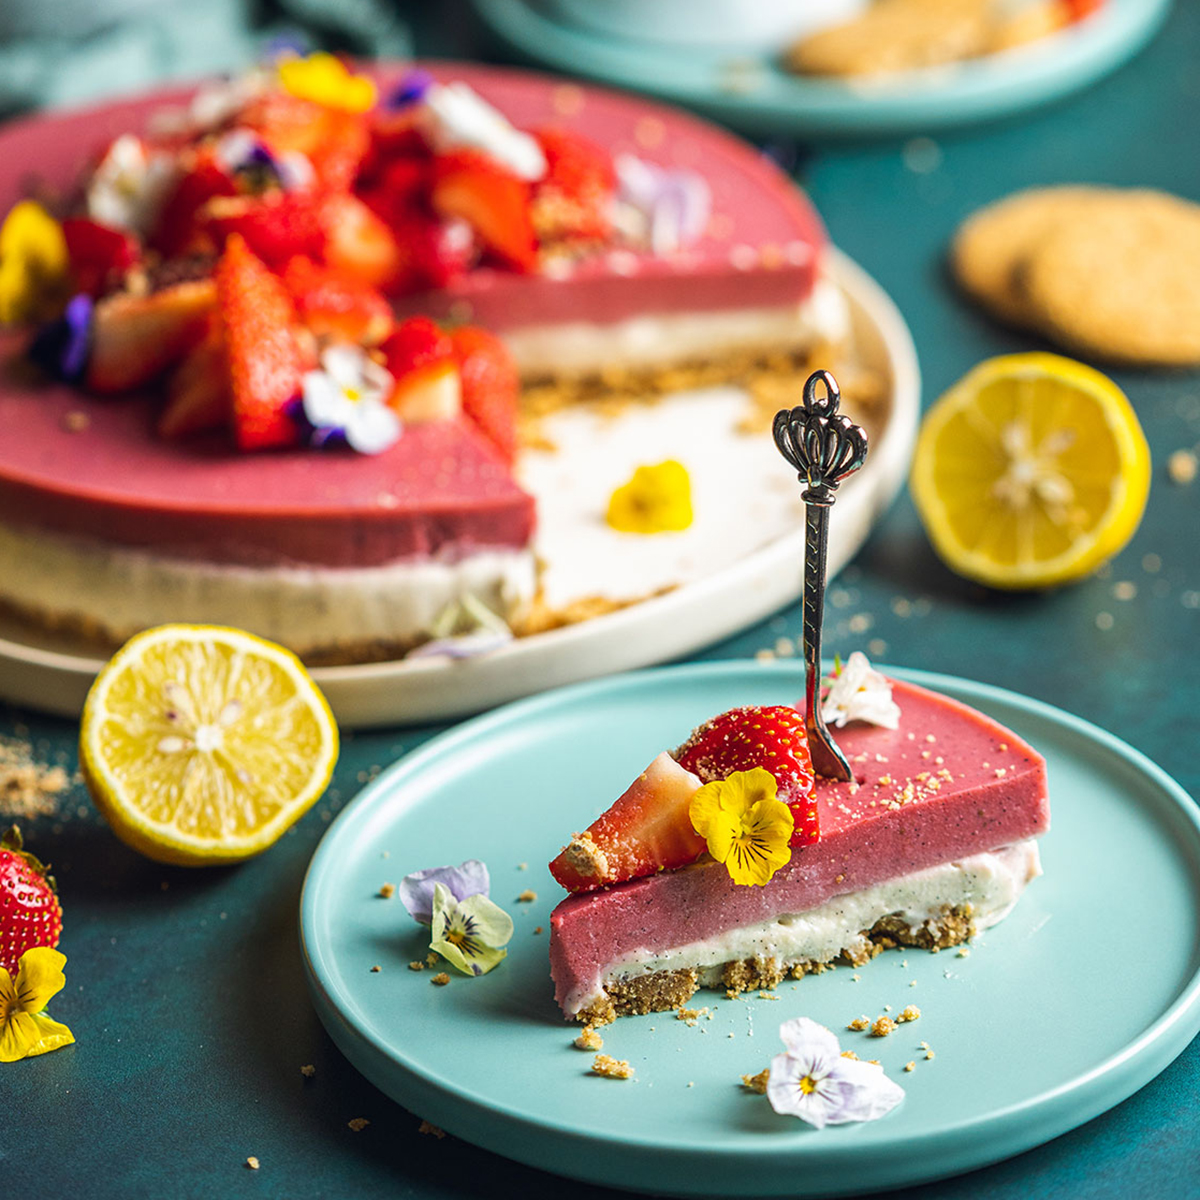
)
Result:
{"points": [[202, 744], [1031, 471]]}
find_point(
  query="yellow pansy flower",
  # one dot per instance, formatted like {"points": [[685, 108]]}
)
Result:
{"points": [[324, 79], [33, 261], [655, 500], [745, 825], [25, 1030]]}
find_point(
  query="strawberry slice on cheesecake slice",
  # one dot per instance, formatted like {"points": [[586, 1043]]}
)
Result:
{"points": [[931, 841]]}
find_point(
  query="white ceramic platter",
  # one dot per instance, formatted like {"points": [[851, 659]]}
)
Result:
{"points": [[719, 595]]}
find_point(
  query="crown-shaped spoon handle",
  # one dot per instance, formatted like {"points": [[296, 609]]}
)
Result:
{"points": [[824, 447]]}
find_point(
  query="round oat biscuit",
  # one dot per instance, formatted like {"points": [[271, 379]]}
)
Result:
{"points": [[993, 245], [1123, 285], [896, 35]]}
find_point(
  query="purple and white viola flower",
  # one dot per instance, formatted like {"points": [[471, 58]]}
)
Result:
{"points": [[469, 934], [128, 188], [242, 152], [811, 1080], [410, 89], [416, 891], [348, 398], [666, 209], [857, 692], [62, 347], [465, 628]]}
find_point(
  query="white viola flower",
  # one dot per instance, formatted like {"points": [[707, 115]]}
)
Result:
{"points": [[860, 693], [811, 1080], [128, 188], [453, 117], [416, 890], [669, 207], [241, 150], [469, 934], [349, 396]]}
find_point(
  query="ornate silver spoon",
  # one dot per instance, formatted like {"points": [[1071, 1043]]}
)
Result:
{"points": [[824, 447]]}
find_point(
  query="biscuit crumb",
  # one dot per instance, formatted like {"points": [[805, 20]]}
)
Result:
{"points": [[964, 952], [358, 1124], [441, 979], [910, 1066], [859, 1023], [882, 1027], [252, 1163], [416, 965], [1182, 467], [611, 1068], [28, 788], [850, 1054], [308, 1070], [522, 866], [431, 959], [929, 1056], [537, 929], [910, 1013], [387, 891], [528, 896], [589, 1039], [431, 1129], [376, 969], [757, 1083]]}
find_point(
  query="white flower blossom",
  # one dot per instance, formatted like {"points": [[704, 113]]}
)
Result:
{"points": [[811, 1080], [860, 693], [349, 395], [128, 188], [667, 209], [453, 117]]}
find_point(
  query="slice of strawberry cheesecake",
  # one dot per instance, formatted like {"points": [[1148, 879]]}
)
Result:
{"points": [[725, 866]]}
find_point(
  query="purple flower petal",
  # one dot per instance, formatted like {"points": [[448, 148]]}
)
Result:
{"points": [[62, 347], [409, 91], [416, 890], [466, 645]]}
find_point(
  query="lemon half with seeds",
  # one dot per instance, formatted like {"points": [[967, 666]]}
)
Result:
{"points": [[1031, 471], [202, 744]]}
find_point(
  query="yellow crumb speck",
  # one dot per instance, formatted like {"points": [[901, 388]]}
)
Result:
{"points": [[528, 896], [387, 890], [757, 1083], [252, 1163], [910, 1066], [416, 965], [537, 929], [611, 1068], [1182, 467], [522, 866], [441, 979], [964, 952], [911, 1013], [432, 959], [308, 1070], [431, 1129], [882, 1027], [929, 1056], [358, 1124], [376, 969], [589, 1039], [859, 1023]]}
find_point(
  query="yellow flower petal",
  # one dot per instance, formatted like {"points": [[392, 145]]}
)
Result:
{"points": [[39, 978], [657, 499], [324, 79], [50, 1035], [744, 824], [33, 261]]}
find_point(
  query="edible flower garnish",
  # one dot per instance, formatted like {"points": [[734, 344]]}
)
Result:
{"points": [[745, 825], [409, 91], [456, 118], [33, 261], [325, 79], [665, 209], [416, 890], [25, 1030], [61, 347], [243, 153], [657, 499], [463, 629], [128, 188], [857, 692], [469, 934], [811, 1080], [348, 397]]}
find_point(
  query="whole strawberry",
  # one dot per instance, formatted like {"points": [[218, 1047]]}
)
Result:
{"points": [[770, 736], [30, 914]]}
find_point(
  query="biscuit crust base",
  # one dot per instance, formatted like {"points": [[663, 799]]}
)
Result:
{"points": [[663, 991]]}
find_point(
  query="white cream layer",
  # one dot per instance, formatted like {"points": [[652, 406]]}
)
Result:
{"points": [[663, 339], [990, 883], [115, 591]]}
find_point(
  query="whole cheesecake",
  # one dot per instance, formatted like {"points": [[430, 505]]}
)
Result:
{"points": [[932, 841], [107, 528]]}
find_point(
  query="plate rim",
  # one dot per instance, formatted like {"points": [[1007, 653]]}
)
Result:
{"points": [[1128, 1068]]}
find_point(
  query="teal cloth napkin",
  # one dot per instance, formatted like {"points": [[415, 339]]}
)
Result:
{"points": [[70, 52]]}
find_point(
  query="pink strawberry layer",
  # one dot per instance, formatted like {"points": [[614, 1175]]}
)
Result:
{"points": [[899, 816]]}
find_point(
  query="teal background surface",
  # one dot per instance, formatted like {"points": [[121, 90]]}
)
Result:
{"points": [[186, 991]]}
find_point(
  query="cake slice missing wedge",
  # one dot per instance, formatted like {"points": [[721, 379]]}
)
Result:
{"points": [[931, 842]]}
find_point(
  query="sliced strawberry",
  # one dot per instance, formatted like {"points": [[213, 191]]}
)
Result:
{"points": [[333, 306], [276, 226], [136, 338], [99, 255], [422, 361], [358, 243], [492, 200], [286, 123], [434, 253], [771, 737], [336, 159], [491, 387], [30, 914], [179, 230], [394, 136], [266, 361], [573, 199], [198, 397], [647, 830]]}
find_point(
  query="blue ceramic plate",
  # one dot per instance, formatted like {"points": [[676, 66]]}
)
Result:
{"points": [[1039, 1029], [753, 93]]}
